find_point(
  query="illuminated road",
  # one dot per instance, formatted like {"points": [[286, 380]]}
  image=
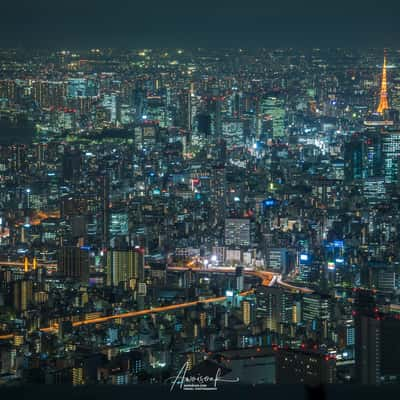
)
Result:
{"points": [[21, 264], [154, 310], [292, 287], [6, 337], [267, 279], [140, 313]]}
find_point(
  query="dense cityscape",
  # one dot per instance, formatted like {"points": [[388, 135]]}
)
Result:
{"points": [[231, 210]]}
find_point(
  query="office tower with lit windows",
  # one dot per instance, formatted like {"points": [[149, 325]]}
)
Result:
{"points": [[374, 190], [125, 266], [316, 307], [218, 195], [275, 307], [376, 348], [396, 93], [184, 110], [73, 263], [22, 293], [237, 232], [139, 101], [213, 108], [273, 110], [146, 134], [354, 158], [391, 155], [19, 159], [119, 223], [376, 336], [111, 103], [278, 259], [49, 93], [81, 87], [307, 367], [105, 208], [372, 163], [9, 90], [248, 311], [156, 110], [239, 279]]}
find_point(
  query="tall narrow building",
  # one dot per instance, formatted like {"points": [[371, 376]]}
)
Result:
{"points": [[184, 111], [73, 263], [376, 336], [22, 292], [125, 266], [105, 199], [391, 155]]}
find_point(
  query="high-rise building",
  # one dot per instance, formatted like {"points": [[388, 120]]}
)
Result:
{"points": [[374, 190], [22, 292], [9, 90], [247, 311], [218, 195], [353, 158], [214, 110], [278, 259], [73, 263], [391, 155], [49, 94], [81, 87], [316, 307], [105, 208], [372, 154], [304, 367], [119, 224], [377, 350], [239, 279], [396, 93], [72, 165], [146, 134], [204, 123], [125, 265], [77, 376], [237, 232], [184, 111], [20, 163], [273, 108], [111, 103], [275, 305], [376, 337]]}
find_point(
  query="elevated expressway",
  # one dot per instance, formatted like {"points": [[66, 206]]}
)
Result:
{"points": [[267, 279]]}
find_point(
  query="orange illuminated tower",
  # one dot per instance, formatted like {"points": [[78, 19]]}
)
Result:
{"points": [[26, 264], [383, 97]]}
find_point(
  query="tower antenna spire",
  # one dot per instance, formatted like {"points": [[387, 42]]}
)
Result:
{"points": [[383, 97]]}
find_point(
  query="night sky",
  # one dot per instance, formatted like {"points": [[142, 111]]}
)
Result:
{"points": [[133, 23]]}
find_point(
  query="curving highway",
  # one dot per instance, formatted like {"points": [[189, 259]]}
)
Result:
{"points": [[267, 279], [131, 314]]}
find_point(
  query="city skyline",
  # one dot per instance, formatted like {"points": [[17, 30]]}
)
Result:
{"points": [[224, 212]]}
